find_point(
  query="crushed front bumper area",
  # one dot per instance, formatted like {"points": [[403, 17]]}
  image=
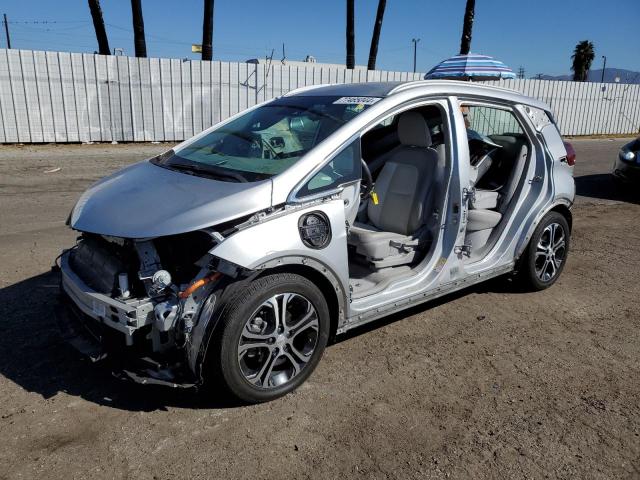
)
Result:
{"points": [[123, 316], [105, 329]]}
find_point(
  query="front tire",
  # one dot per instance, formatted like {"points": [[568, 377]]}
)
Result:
{"points": [[545, 257], [271, 338]]}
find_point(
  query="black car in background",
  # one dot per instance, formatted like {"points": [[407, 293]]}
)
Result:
{"points": [[626, 167]]}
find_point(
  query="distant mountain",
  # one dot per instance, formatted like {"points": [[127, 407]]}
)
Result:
{"points": [[610, 74]]}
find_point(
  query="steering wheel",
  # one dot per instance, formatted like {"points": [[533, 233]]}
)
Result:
{"points": [[366, 185]]}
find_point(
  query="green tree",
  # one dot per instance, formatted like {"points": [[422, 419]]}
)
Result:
{"points": [[582, 58], [207, 31], [98, 25], [351, 35], [375, 38], [138, 29], [467, 27]]}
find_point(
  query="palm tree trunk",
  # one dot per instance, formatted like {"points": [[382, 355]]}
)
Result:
{"points": [[375, 38], [467, 27], [138, 29], [98, 24], [351, 36], [207, 31]]}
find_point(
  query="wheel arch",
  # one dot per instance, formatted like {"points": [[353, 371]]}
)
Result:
{"points": [[564, 210], [562, 207], [214, 307], [322, 278]]}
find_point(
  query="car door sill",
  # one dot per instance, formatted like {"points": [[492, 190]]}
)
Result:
{"points": [[444, 289]]}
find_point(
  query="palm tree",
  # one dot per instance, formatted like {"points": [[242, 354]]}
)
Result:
{"points": [[207, 31], [138, 29], [375, 38], [582, 57], [467, 27], [351, 36], [98, 25]]}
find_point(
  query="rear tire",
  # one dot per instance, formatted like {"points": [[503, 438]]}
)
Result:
{"points": [[543, 261], [271, 337]]}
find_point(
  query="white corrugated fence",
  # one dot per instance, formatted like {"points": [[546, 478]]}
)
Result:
{"points": [[73, 97]]}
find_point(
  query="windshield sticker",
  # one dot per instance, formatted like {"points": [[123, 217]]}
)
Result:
{"points": [[357, 100]]}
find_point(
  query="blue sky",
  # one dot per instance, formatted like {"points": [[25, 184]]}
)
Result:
{"points": [[538, 35]]}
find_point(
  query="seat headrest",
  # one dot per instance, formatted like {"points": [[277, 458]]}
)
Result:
{"points": [[413, 130]]}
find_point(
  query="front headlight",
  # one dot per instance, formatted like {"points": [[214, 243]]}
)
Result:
{"points": [[627, 155]]}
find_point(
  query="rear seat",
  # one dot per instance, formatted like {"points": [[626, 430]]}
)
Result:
{"points": [[488, 206]]}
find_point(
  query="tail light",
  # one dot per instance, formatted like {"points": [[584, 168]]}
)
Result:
{"points": [[571, 154]]}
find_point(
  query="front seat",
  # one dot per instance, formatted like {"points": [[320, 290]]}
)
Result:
{"points": [[397, 226]]}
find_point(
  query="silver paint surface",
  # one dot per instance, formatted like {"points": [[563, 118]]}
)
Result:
{"points": [[145, 200]]}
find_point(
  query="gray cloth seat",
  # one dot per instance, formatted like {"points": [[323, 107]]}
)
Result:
{"points": [[396, 229], [485, 199], [488, 206], [482, 219], [509, 189]]}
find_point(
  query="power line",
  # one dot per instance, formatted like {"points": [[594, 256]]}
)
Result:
{"points": [[44, 22]]}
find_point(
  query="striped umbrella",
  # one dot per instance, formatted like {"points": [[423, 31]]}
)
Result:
{"points": [[470, 67]]}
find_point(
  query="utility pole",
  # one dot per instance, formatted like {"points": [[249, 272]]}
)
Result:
{"points": [[351, 35], [604, 66], [521, 72], [415, 47], [6, 31], [207, 31], [139, 43]]}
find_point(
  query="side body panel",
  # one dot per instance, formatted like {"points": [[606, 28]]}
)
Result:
{"points": [[276, 241], [446, 269], [534, 194], [565, 187]]}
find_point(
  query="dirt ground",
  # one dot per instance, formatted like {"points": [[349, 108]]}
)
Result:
{"points": [[488, 383]]}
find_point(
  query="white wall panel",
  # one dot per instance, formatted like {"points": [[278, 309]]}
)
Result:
{"points": [[63, 97]]}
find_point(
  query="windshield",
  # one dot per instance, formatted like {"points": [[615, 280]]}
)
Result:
{"points": [[267, 140]]}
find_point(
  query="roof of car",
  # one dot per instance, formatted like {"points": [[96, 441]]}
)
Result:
{"points": [[385, 89]]}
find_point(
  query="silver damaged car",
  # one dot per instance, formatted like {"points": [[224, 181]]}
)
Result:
{"points": [[234, 258]]}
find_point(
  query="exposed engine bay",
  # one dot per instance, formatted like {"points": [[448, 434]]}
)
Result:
{"points": [[145, 295]]}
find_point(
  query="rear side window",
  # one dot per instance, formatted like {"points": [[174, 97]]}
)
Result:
{"points": [[343, 168], [489, 121]]}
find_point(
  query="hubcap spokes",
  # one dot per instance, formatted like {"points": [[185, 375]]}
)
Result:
{"points": [[550, 252], [278, 340]]}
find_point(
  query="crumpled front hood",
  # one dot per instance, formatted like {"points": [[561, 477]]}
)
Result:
{"points": [[145, 200]]}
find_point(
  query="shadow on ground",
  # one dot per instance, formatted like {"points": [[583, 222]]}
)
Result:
{"points": [[604, 187], [34, 356]]}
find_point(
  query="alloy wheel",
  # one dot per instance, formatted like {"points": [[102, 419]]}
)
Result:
{"points": [[278, 340], [550, 252]]}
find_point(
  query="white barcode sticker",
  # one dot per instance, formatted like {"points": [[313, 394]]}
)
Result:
{"points": [[357, 100]]}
